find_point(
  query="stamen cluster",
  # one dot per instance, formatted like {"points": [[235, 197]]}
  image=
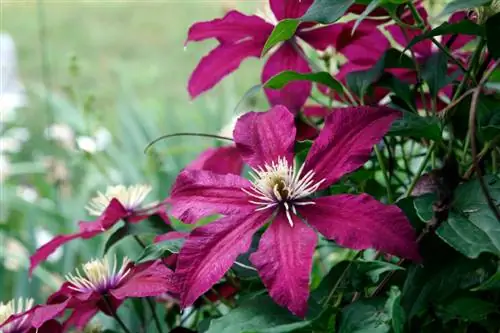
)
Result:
{"points": [[13, 307], [131, 197]]}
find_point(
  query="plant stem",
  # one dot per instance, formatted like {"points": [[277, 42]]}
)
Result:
{"points": [[384, 173], [115, 315], [149, 301], [420, 169], [337, 284], [473, 62]]}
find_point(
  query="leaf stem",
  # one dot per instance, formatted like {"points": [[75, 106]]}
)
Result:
{"points": [[115, 315], [420, 169], [384, 173]]}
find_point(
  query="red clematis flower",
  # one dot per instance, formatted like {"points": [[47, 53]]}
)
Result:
{"points": [[118, 203], [282, 194], [20, 316], [241, 36], [103, 286]]}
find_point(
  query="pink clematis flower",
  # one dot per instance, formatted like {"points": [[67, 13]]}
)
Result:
{"points": [[20, 316], [282, 194], [241, 36], [118, 203], [104, 285]]}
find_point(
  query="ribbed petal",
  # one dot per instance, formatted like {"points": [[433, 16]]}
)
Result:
{"points": [[220, 62], [111, 215], [200, 193], [289, 8], [221, 160], [346, 141], [295, 94], [284, 261], [361, 222], [263, 137], [209, 252], [80, 317]]}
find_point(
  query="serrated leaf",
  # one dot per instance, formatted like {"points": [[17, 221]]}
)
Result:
{"points": [[283, 31], [259, 315], [282, 79], [457, 5], [327, 11], [416, 126], [365, 316]]}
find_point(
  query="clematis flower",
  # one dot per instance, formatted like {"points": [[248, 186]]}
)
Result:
{"points": [[283, 194], [118, 203], [103, 285], [242, 36], [20, 316]]}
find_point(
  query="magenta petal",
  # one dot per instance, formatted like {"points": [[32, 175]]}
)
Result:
{"points": [[295, 94], [263, 137], [170, 236], [200, 193], [361, 222], [44, 313], [346, 141], [221, 61], [221, 160], [111, 215], [284, 262], [234, 26], [460, 40], [210, 251], [289, 8], [80, 317], [47, 249]]}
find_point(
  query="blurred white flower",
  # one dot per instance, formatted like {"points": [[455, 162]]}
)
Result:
{"points": [[12, 95], [4, 167], [42, 237], [98, 142], [27, 193], [87, 143], [61, 133], [228, 129], [9, 145], [17, 254], [18, 133]]}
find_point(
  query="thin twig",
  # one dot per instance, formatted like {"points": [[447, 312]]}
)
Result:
{"points": [[204, 135], [384, 173], [115, 315]]}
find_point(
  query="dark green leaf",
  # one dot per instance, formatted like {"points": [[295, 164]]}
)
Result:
{"points": [[160, 250], [153, 225], [282, 79], [370, 8], [416, 126], [400, 89], [260, 314], [327, 11], [283, 31], [362, 273], [365, 316], [435, 72], [493, 283], [465, 308], [395, 310], [464, 27], [456, 5]]}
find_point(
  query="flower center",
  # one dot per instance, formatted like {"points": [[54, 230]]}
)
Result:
{"points": [[280, 184], [99, 275], [11, 308], [132, 198]]}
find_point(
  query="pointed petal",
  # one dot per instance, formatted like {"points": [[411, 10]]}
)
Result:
{"points": [[47, 249], [295, 94], [47, 312], [346, 141], [220, 62], [263, 137], [80, 317], [361, 222], [284, 262], [200, 193], [221, 160], [234, 26], [210, 251], [111, 215], [289, 8]]}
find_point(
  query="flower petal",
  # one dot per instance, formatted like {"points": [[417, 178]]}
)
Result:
{"points": [[284, 262], [403, 36], [170, 236], [346, 141], [209, 252], [44, 313], [295, 94], [221, 160], [200, 193], [111, 215], [234, 26], [220, 62], [263, 137], [47, 249], [80, 317], [289, 8], [361, 222]]}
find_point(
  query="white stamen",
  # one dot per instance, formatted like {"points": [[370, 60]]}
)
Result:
{"points": [[279, 183], [15, 306], [131, 198]]}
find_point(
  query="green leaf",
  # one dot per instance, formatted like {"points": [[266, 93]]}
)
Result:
{"points": [[370, 8], [466, 308], [456, 5], [493, 283], [283, 31], [416, 126], [395, 310], [160, 250], [362, 273], [327, 11], [492, 33], [153, 225], [464, 27], [257, 315], [282, 79], [365, 316], [435, 72]]}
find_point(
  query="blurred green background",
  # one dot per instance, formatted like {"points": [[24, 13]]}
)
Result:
{"points": [[102, 79]]}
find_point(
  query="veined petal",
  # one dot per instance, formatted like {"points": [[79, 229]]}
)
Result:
{"points": [[200, 193], [220, 62], [221, 160], [361, 222], [289, 8], [284, 262], [295, 94], [209, 252], [111, 215], [80, 317], [45, 313], [47, 249], [263, 137], [346, 141], [233, 27]]}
